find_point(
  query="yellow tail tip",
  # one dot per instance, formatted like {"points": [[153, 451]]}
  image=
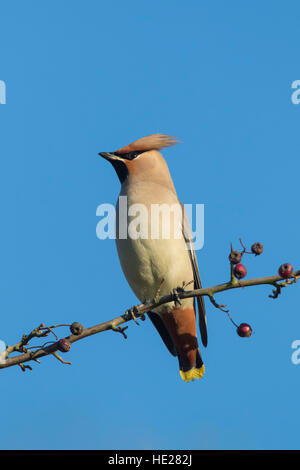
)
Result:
{"points": [[192, 374]]}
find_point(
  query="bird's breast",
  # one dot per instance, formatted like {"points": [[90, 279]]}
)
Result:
{"points": [[154, 249]]}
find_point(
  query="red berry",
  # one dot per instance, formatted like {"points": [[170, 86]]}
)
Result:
{"points": [[63, 345], [285, 270], [240, 271], [244, 330]]}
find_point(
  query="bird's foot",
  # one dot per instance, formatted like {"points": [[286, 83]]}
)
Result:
{"points": [[131, 313], [175, 293]]}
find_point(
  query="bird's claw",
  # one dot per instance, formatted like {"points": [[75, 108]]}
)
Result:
{"points": [[175, 293], [131, 312]]}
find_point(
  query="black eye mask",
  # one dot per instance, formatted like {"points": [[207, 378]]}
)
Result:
{"points": [[130, 155]]}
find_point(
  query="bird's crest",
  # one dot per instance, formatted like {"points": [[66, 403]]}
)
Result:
{"points": [[150, 142]]}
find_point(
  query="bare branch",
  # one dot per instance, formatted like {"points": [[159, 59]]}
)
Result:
{"points": [[131, 314]]}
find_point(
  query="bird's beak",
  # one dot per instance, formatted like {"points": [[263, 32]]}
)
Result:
{"points": [[118, 164], [108, 156]]}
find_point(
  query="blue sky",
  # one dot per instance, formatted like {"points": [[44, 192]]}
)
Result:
{"points": [[90, 76]]}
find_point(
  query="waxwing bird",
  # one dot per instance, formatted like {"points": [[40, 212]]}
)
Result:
{"points": [[159, 262]]}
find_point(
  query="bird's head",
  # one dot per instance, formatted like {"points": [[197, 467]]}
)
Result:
{"points": [[141, 158]]}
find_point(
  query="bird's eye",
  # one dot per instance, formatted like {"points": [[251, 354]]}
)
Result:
{"points": [[132, 155], [129, 156]]}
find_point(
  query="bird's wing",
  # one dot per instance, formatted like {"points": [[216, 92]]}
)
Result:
{"points": [[162, 330], [187, 233]]}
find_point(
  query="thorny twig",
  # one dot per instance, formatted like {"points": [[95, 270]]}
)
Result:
{"points": [[114, 324], [278, 286]]}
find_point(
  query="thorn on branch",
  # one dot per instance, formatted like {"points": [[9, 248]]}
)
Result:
{"points": [[61, 359], [277, 290], [23, 368], [120, 329]]}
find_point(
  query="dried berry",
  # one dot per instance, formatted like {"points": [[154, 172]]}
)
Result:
{"points": [[244, 330], [285, 270], [76, 328], [63, 345], [240, 271], [235, 257], [257, 248]]}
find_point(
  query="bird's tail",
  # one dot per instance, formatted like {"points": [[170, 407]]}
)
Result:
{"points": [[189, 373]]}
